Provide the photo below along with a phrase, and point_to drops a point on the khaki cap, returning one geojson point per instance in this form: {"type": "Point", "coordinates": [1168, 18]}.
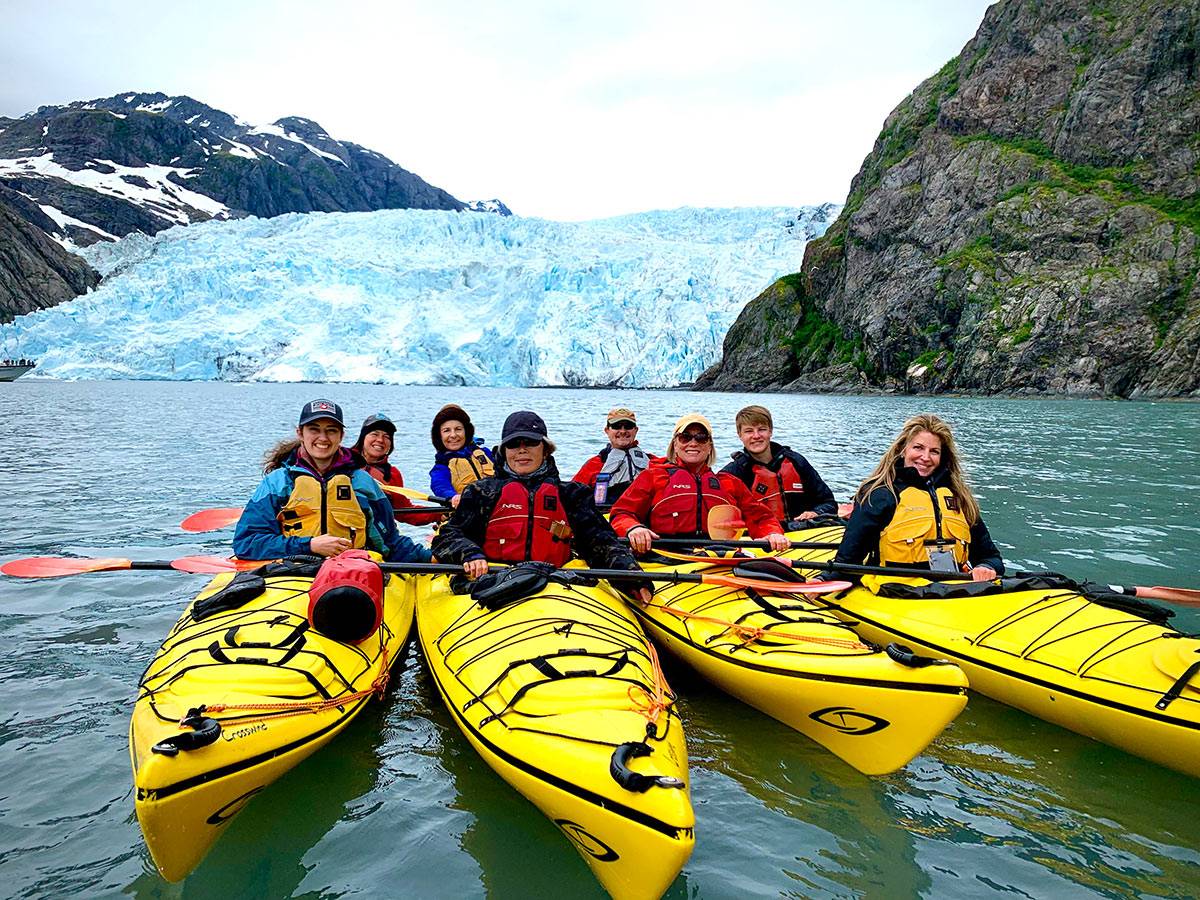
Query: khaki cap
{"type": "Point", "coordinates": [693, 419]}
{"type": "Point", "coordinates": [619, 413]}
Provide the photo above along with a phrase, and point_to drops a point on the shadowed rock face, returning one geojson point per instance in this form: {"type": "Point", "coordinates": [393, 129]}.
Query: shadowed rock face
{"type": "Point", "coordinates": [1026, 223]}
{"type": "Point", "coordinates": [35, 272]}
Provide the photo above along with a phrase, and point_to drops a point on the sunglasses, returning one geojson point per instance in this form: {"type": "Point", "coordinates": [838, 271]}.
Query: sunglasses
{"type": "Point", "coordinates": [692, 437]}
{"type": "Point", "coordinates": [522, 443]}
{"type": "Point", "coordinates": [623, 425]}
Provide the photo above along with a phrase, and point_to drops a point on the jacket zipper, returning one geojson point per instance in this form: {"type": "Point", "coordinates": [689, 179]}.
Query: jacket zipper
{"type": "Point", "coordinates": [699, 506]}
{"type": "Point", "coordinates": [529, 526]}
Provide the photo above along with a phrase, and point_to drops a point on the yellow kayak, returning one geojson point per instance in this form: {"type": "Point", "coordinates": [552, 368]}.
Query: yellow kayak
{"type": "Point", "coordinates": [1114, 670]}
{"type": "Point", "coordinates": [261, 691]}
{"type": "Point", "coordinates": [808, 669]}
{"type": "Point", "coordinates": [561, 694]}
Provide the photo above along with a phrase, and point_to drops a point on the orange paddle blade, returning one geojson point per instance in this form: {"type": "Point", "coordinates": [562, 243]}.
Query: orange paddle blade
{"type": "Point", "coordinates": [724, 522]}
{"type": "Point", "coordinates": [212, 519]}
{"type": "Point", "coordinates": [56, 566]}
{"type": "Point", "coordinates": [1182, 596]}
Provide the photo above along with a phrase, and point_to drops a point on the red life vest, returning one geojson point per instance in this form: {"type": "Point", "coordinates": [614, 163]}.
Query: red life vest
{"type": "Point", "coordinates": [772, 488]}
{"type": "Point", "coordinates": [521, 523]}
{"type": "Point", "coordinates": [682, 506]}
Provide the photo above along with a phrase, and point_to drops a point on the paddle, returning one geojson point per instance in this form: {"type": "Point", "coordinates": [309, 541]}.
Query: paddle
{"type": "Point", "coordinates": [724, 521]}
{"type": "Point", "coordinates": [735, 581]}
{"type": "Point", "coordinates": [1182, 596]}
{"type": "Point", "coordinates": [222, 517]}
{"type": "Point", "coordinates": [701, 542]}
{"type": "Point", "coordinates": [57, 566]}
{"type": "Point", "coordinates": [416, 495]}
{"type": "Point", "coordinates": [212, 519]}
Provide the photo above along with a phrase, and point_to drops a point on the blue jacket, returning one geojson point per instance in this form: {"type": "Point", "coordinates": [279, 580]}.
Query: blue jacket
{"type": "Point", "coordinates": [258, 535]}
{"type": "Point", "coordinates": [440, 483]}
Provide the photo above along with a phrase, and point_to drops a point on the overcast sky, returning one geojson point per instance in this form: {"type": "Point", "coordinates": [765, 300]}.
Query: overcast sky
{"type": "Point", "coordinates": [568, 110]}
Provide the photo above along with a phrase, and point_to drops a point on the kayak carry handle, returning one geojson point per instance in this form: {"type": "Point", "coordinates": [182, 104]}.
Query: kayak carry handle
{"type": "Point", "coordinates": [636, 781]}
{"type": "Point", "coordinates": [204, 732]}
{"type": "Point", "coordinates": [906, 656]}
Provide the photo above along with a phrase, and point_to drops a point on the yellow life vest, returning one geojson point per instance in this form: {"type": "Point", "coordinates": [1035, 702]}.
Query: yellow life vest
{"type": "Point", "coordinates": [332, 508]}
{"type": "Point", "coordinates": [914, 530]}
{"type": "Point", "coordinates": [467, 469]}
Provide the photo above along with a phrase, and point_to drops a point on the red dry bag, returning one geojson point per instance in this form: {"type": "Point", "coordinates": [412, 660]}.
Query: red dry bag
{"type": "Point", "coordinates": [345, 601]}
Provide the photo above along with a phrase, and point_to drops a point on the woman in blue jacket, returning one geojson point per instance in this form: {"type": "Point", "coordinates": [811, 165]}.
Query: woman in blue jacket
{"type": "Point", "coordinates": [461, 458]}
{"type": "Point", "coordinates": [318, 499]}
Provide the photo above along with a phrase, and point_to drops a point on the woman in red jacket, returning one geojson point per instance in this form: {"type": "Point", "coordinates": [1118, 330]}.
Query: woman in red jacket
{"type": "Point", "coordinates": [375, 442]}
{"type": "Point", "coordinates": [675, 498]}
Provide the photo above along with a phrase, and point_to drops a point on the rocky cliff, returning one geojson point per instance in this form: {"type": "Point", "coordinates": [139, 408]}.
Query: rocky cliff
{"type": "Point", "coordinates": [1026, 223]}
{"type": "Point", "coordinates": [35, 272]}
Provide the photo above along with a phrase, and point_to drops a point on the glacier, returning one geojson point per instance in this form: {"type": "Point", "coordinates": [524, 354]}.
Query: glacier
{"type": "Point", "coordinates": [421, 297]}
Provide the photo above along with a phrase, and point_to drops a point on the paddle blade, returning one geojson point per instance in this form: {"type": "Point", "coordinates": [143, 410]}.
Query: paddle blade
{"type": "Point", "coordinates": [212, 519]}
{"type": "Point", "coordinates": [724, 522]}
{"type": "Point", "coordinates": [1182, 596]}
{"type": "Point", "coordinates": [213, 565]}
{"type": "Point", "coordinates": [777, 587]}
{"type": "Point", "coordinates": [57, 566]}
{"type": "Point", "coordinates": [412, 495]}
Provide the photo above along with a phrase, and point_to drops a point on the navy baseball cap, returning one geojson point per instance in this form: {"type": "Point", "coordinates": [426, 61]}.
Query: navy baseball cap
{"type": "Point", "coordinates": [320, 409]}
{"type": "Point", "coordinates": [523, 424]}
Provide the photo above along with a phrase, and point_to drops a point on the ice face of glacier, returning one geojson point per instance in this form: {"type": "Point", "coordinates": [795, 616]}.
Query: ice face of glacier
{"type": "Point", "coordinates": [422, 297]}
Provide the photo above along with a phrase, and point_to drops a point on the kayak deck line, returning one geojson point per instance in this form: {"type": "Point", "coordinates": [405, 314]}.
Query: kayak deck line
{"type": "Point", "coordinates": [816, 676]}
{"type": "Point", "coordinates": [1032, 679]}
{"type": "Point", "coordinates": [675, 831]}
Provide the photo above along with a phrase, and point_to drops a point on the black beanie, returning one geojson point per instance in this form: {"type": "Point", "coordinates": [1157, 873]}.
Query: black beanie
{"type": "Point", "coordinates": [451, 412]}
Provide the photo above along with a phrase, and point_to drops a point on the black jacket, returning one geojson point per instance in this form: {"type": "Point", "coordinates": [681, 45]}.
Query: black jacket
{"type": "Point", "coordinates": [861, 539]}
{"type": "Point", "coordinates": [816, 497]}
{"type": "Point", "coordinates": [461, 538]}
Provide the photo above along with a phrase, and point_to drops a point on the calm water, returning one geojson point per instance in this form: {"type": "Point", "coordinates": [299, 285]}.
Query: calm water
{"type": "Point", "coordinates": [1001, 804]}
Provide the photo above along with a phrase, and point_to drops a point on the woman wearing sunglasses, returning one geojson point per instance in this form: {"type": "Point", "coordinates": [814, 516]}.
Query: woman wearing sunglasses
{"type": "Point", "coordinates": [674, 499]}
{"type": "Point", "coordinates": [525, 513]}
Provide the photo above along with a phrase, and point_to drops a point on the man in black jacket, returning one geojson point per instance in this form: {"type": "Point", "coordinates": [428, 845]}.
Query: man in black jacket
{"type": "Point", "coordinates": [779, 476]}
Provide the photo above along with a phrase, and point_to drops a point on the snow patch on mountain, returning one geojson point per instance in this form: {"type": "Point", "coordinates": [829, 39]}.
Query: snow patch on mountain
{"type": "Point", "coordinates": [422, 297]}
{"type": "Point", "coordinates": [149, 186]}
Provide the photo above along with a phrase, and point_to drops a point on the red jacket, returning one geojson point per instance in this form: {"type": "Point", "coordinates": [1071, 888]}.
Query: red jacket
{"type": "Point", "coordinates": [637, 504]}
{"type": "Point", "coordinates": [385, 473]}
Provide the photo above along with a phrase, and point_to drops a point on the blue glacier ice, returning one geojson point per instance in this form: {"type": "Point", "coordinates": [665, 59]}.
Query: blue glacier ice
{"type": "Point", "coordinates": [421, 297]}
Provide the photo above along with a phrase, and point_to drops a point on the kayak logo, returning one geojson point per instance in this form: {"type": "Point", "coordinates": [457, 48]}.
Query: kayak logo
{"type": "Point", "coordinates": [232, 808]}
{"type": "Point", "coordinates": [849, 721]}
{"type": "Point", "coordinates": [586, 841]}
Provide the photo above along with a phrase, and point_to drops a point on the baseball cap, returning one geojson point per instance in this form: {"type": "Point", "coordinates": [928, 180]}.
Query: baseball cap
{"type": "Point", "coordinates": [320, 409]}
{"type": "Point", "coordinates": [523, 424]}
{"type": "Point", "coordinates": [692, 419]}
{"type": "Point", "coordinates": [620, 414]}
